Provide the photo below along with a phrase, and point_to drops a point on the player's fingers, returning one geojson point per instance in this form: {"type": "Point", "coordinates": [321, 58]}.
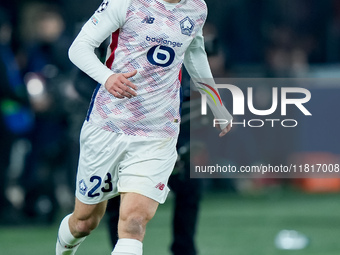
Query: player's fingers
{"type": "Point", "coordinates": [130, 74]}
{"type": "Point", "coordinates": [119, 89]}
{"type": "Point", "coordinates": [223, 133]}
{"type": "Point", "coordinates": [116, 91]}
{"type": "Point", "coordinates": [117, 95]}
{"type": "Point", "coordinates": [129, 91]}
{"type": "Point", "coordinates": [126, 94]}
{"type": "Point", "coordinates": [129, 83]}
{"type": "Point", "coordinates": [225, 130]}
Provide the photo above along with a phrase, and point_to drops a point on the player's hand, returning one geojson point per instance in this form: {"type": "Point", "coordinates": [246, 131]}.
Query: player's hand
{"type": "Point", "coordinates": [119, 85]}
{"type": "Point", "coordinates": [225, 130]}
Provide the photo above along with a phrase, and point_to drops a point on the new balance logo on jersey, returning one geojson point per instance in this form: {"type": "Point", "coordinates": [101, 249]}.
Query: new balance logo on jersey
{"type": "Point", "coordinates": [148, 20]}
{"type": "Point", "coordinates": [160, 186]}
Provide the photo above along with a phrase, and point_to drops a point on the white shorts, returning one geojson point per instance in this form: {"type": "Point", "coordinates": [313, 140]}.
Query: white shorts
{"type": "Point", "coordinates": [112, 163]}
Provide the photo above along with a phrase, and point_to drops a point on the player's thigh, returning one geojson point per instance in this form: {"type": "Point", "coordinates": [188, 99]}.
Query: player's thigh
{"type": "Point", "coordinates": [137, 205]}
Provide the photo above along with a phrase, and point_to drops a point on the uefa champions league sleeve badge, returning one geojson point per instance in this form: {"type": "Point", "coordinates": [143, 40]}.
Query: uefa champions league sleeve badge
{"type": "Point", "coordinates": [103, 6]}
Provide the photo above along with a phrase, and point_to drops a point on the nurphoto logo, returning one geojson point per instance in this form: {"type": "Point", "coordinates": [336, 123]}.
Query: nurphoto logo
{"type": "Point", "coordinates": [288, 96]}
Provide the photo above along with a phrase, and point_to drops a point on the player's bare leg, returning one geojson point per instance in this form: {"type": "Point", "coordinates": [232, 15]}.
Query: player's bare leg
{"type": "Point", "coordinates": [86, 218]}
{"type": "Point", "coordinates": [75, 227]}
{"type": "Point", "coordinates": [135, 212]}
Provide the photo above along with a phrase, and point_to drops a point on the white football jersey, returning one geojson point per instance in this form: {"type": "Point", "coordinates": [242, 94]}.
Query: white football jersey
{"type": "Point", "coordinates": [150, 36]}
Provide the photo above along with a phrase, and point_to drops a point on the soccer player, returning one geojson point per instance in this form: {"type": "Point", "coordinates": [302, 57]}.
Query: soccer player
{"type": "Point", "coordinates": [128, 141]}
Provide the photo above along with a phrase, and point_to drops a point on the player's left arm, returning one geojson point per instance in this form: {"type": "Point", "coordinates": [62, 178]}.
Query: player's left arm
{"type": "Point", "coordinates": [197, 65]}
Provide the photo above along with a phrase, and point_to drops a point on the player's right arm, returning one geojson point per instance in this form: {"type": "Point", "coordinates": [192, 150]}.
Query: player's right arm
{"type": "Point", "coordinates": [107, 19]}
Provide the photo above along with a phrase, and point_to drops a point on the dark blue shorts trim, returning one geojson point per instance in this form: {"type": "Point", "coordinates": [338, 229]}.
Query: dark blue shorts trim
{"type": "Point", "coordinates": [92, 102]}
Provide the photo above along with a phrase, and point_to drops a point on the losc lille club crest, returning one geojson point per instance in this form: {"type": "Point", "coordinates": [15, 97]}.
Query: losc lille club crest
{"type": "Point", "coordinates": [187, 26]}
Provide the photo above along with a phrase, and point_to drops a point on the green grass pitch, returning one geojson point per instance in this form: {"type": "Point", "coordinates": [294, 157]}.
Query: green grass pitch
{"type": "Point", "coordinates": [228, 224]}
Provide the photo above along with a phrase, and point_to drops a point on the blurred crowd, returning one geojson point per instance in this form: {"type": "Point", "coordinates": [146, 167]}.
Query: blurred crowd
{"type": "Point", "coordinates": [43, 97]}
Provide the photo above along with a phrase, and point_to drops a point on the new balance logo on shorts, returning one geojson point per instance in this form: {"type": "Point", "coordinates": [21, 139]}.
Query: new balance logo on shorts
{"type": "Point", "coordinates": [160, 186]}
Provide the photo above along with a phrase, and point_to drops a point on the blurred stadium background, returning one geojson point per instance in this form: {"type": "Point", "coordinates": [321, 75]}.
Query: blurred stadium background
{"type": "Point", "coordinates": [44, 100]}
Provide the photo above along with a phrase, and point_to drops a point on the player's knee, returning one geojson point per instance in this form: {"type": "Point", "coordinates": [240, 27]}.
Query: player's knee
{"type": "Point", "coordinates": [137, 214]}
{"type": "Point", "coordinates": [84, 227]}
{"type": "Point", "coordinates": [85, 218]}
{"type": "Point", "coordinates": [135, 225]}
{"type": "Point", "coordinates": [134, 216]}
